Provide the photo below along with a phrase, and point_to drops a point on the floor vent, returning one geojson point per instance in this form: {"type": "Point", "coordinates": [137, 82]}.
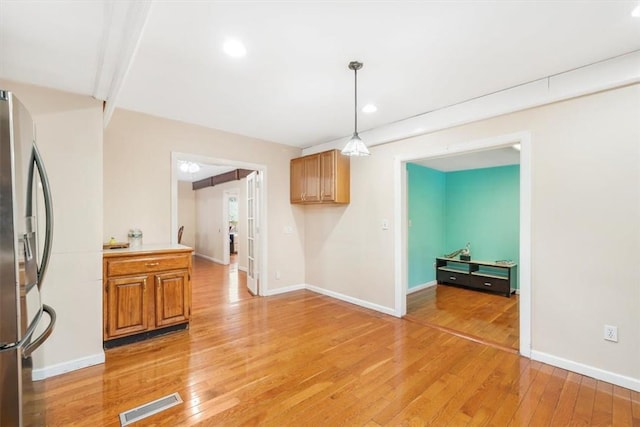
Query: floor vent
{"type": "Point", "coordinates": [148, 409]}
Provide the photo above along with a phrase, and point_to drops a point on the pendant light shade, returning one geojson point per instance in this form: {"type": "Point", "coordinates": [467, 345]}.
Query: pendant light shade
{"type": "Point", "coordinates": [355, 146]}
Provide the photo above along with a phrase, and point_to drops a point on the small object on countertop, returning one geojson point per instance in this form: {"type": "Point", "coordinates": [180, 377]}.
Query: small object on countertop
{"type": "Point", "coordinates": [115, 245]}
{"type": "Point", "coordinates": [112, 241]}
{"type": "Point", "coordinates": [135, 237]}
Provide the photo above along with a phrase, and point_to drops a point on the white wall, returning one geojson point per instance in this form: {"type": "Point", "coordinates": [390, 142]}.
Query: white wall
{"type": "Point", "coordinates": [585, 232]}
{"type": "Point", "coordinates": [187, 212]}
{"type": "Point", "coordinates": [137, 175]}
{"type": "Point", "coordinates": [210, 225]}
{"type": "Point", "coordinates": [69, 136]}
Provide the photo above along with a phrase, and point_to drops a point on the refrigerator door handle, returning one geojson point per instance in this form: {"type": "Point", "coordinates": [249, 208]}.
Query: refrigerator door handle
{"type": "Point", "coordinates": [33, 345]}
{"type": "Point", "coordinates": [46, 189]}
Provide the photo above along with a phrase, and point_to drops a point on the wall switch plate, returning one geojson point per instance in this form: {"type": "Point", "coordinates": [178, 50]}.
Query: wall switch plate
{"type": "Point", "coordinates": [611, 333]}
{"type": "Point", "coordinates": [385, 224]}
{"type": "Point", "coordinates": [277, 274]}
{"type": "Point", "coordinates": [288, 229]}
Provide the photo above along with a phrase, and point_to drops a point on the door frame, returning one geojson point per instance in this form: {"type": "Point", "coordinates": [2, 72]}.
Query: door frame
{"type": "Point", "coordinates": [401, 219]}
{"type": "Point", "coordinates": [261, 251]}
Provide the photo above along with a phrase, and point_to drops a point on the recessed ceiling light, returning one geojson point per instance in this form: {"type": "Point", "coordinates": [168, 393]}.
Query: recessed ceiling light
{"type": "Point", "coordinates": [234, 48]}
{"type": "Point", "coordinates": [369, 108]}
{"type": "Point", "coordinates": [189, 167]}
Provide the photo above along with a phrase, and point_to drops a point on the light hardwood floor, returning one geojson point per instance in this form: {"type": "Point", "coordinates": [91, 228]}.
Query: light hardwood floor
{"type": "Point", "coordinates": [486, 317]}
{"type": "Point", "coordinates": [304, 359]}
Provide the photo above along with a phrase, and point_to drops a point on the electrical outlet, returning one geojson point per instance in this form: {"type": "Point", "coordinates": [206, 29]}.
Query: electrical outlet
{"type": "Point", "coordinates": [611, 333]}
{"type": "Point", "coordinates": [277, 274]}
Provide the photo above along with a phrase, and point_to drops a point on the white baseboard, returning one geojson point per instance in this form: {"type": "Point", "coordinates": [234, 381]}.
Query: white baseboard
{"type": "Point", "coordinates": [72, 365]}
{"type": "Point", "coordinates": [590, 371]}
{"type": "Point", "coordinates": [332, 294]}
{"type": "Point", "coordinates": [422, 286]}
{"type": "Point", "coordinates": [216, 260]}
{"type": "Point", "coordinates": [352, 300]}
{"type": "Point", "coordinates": [278, 291]}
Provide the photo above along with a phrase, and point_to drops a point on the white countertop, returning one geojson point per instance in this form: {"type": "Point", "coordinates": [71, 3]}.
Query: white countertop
{"type": "Point", "coordinates": [169, 247]}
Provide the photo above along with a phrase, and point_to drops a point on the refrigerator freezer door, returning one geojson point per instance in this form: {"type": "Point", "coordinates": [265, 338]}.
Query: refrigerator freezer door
{"type": "Point", "coordinates": [9, 293]}
{"type": "Point", "coordinates": [18, 241]}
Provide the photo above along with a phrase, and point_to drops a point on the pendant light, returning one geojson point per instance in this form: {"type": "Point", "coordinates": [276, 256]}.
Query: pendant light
{"type": "Point", "coordinates": [355, 146]}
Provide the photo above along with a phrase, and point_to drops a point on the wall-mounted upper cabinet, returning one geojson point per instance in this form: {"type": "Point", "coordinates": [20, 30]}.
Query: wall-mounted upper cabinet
{"type": "Point", "coordinates": [320, 178]}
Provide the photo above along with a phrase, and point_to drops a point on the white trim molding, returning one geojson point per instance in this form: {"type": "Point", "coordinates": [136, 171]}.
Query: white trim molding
{"type": "Point", "coordinates": [400, 217]}
{"type": "Point", "coordinates": [352, 300]}
{"type": "Point", "coordinates": [285, 289]}
{"type": "Point", "coordinates": [64, 367]}
{"type": "Point", "coordinates": [590, 371]}
{"type": "Point", "coordinates": [216, 260]}
{"type": "Point", "coordinates": [603, 75]}
{"type": "Point", "coordinates": [332, 294]}
{"type": "Point", "coordinates": [422, 286]}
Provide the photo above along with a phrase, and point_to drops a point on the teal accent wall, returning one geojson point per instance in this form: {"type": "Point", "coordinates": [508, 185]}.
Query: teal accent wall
{"type": "Point", "coordinates": [426, 207]}
{"type": "Point", "coordinates": [480, 206]}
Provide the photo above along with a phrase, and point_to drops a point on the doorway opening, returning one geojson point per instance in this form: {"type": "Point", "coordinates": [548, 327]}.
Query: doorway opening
{"type": "Point", "coordinates": [463, 216]}
{"type": "Point", "coordinates": [210, 236]}
{"type": "Point", "coordinates": [231, 236]}
{"type": "Point", "coordinates": [402, 231]}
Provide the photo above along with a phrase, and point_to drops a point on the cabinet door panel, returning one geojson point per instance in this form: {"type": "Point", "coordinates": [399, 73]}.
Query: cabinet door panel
{"type": "Point", "coordinates": [328, 175]}
{"type": "Point", "coordinates": [127, 311]}
{"type": "Point", "coordinates": [297, 180]}
{"type": "Point", "coordinates": [312, 175]}
{"type": "Point", "coordinates": [172, 298]}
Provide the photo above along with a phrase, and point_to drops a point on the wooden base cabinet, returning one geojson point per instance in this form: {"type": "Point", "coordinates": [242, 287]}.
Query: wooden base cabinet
{"type": "Point", "coordinates": [145, 291]}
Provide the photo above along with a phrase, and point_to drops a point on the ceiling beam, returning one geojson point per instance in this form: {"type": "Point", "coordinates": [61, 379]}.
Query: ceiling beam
{"type": "Point", "coordinates": [233, 175]}
{"type": "Point", "coordinates": [123, 27]}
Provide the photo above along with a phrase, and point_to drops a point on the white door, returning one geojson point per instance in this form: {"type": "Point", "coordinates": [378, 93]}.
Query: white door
{"type": "Point", "coordinates": [253, 232]}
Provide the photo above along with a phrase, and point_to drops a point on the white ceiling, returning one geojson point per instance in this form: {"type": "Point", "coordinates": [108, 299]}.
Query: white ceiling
{"type": "Point", "coordinates": [294, 87]}
{"type": "Point", "coordinates": [475, 160]}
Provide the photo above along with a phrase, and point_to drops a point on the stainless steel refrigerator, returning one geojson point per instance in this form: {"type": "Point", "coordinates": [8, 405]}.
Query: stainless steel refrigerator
{"type": "Point", "coordinates": [26, 222]}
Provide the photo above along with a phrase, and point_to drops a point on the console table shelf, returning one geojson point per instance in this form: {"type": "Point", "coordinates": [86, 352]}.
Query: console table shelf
{"type": "Point", "coordinates": [485, 275]}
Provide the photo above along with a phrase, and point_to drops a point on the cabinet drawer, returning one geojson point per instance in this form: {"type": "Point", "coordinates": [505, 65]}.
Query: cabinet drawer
{"type": "Point", "coordinates": [452, 277]}
{"type": "Point", "coordinates": [135, 265]}
{"type": "Point", "coordinates": [490, 283]}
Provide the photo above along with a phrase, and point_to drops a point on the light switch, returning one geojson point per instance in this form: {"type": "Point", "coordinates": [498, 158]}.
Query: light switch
{"type": "Point", "coordinates": [385, 224]}
{"type": "Point", "coordinates": [288, 229]}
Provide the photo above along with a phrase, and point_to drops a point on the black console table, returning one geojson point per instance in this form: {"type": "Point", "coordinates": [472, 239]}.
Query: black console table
{"type": "Point", "coordinates": [493, 276]}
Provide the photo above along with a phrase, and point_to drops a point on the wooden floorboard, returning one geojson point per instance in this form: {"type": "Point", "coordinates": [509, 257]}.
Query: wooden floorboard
{"type": "Point", "coordinates": [304, 359]}
{"type": "Point", "coordinates": [485, 317]}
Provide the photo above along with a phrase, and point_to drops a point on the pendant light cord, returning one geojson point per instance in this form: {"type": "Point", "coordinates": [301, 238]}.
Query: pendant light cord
{"type": "Point", "coordinates": [355, 128]}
